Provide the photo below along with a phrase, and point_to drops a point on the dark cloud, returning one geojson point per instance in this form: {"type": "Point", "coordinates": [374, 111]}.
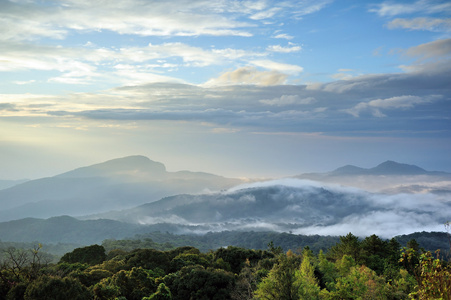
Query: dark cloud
{"type": "Point", "coordinates": [8, 107]}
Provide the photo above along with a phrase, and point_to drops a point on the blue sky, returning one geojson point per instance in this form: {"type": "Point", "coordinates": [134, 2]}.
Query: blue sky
{"type": "Point", "coordinates": [237, 88]}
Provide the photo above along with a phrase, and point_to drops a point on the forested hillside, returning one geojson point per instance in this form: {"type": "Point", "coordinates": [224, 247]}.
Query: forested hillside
{"type": "Point", "coordinates": [353, 268]}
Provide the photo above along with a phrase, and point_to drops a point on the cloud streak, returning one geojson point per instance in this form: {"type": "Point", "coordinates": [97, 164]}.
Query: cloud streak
{"type": "Point", "coordinates": [431, 24]}
{"type": "Point", "coordinates": [402, 102]}
{"type": "Point", "coordinates": [149, 18]}
{"type": "Point", "coordinates": [388, 8]}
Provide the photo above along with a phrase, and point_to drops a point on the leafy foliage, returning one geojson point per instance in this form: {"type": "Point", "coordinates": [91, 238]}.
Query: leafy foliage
{"type": "Point", "coordinates": [353, 268]}
{"type": "Point", "coordinates": [91, 255]}
{"type": "Point", "coordinates": [49, 287]}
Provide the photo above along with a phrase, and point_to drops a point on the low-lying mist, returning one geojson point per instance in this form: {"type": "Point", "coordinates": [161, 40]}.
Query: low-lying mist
{"type": "Point", "coordinates": [300, 207]}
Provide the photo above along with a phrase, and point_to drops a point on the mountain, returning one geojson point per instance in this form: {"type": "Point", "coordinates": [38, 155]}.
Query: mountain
{"type": "Point", "coordinates": [285, 205]}
{"type": "Point", "coordinates": [386, 168]}
{"type": "Point", "coordinates": [114, 184]}
{"type": "Point", "coordinates": [264, 206]}
{"type": "Point", "coordinates": [4, 184]}
{"type": "Point", "coordinates": [388, 177]}
{"type": "Point", "coordinates": [130, 165]}
{"type": "Point", "coordinates": [291, 205]}
{"type": "Point", "coordinates": [349, 170]}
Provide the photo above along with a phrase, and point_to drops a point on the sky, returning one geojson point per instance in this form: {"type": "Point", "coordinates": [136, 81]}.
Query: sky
{"type": "Point", "coordinates": [236, 88]}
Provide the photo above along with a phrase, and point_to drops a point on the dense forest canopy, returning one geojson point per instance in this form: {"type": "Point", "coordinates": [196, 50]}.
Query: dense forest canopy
{"type": "Point", "coordinates": [352, 268]}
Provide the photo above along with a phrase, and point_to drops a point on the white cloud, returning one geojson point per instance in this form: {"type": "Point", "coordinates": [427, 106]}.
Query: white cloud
{"type": "Point", "coordinates": [424, 6]}
{"type": "Point", "coordinates": [431, 24]}
{"type": "Point", "coordinates": [136, 75]}
{"type": "Point", "coordinates": [279, 67]}
{"type": "Point", "coordinates": [265, 14]}
{"type": "Point", "coordinates": [248, 75]}
{"type": "Point", "coordinates": [436, 49]}
{"type": "Point", "coordinates": [283, 36]}
{"type": "Point", "coordinates": [281, 49]}
{"type": "Point", "coordinates": [400, 102]}
{"type": "Point", "coordinates": [288, 100]}
{"type": "Point", "coordinates": [127, 17]}
{"type": "Point", "coordinates": [24, 82]}
{"type": "Point", "coordinates": [384, 215]}
{"type": "Point", "coordinates": [342, 76]}
{"type": "Point", "coordinates": [88, 65]}
{"type": "Point", "coordinates": [309, 6]}
{"type": "Point", "coordinates": [32, 19]}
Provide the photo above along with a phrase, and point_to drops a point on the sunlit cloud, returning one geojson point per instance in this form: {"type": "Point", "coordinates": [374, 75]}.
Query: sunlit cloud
{"type": "Point", "coordinates": [249, 75]}
{"type": "Point", "coordinates": [279, 67]}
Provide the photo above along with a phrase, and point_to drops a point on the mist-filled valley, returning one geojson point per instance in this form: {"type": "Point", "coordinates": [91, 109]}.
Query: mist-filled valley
{"type": "Point", "coordinates": [134, 195]}
{"type": "Point", "coordinates": [128, 228]}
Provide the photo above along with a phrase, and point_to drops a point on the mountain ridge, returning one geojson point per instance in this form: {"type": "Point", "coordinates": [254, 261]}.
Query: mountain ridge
{"type": "Point", "coordinates": [388, 167]}
{"type": "Point", "coordinates": [122, 165]}
{"type": "Point", "coordinates": [387, 177]}
{"type": "Point", "coordinates": [130, 181]}
{"type": "Point", "coordinates": [114, 184]}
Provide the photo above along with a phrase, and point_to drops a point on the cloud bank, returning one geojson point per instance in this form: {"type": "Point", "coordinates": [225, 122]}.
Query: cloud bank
{"type": "Point", "coordinates": [303, 207]}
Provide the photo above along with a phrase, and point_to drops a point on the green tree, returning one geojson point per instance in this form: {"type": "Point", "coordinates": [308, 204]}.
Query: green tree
{"type": "Point", "coordinates": [434, 281]}
{"type": "Point", "coordinates": [22, 264]}
{"type": "Point", "coordinates": [236, 257]}
{"type": "Point", "coordinates": [348, 245]}
{"type": "Point", "coordinates": [374, 253]}
{"type": "Point", "coordinates": [17, 291]}
{"type": "Point", "coordinates": [306, 280]}
{"type": "Point", "coordinates": [91, 276]}
{"type": "Point", "coordinates": [281, 282]}
{"type": "Point", "coordinates": [393, 254]}
{"type": "Point", "coordinates": [328, 272]}
{"type": "Point", "coordinates": [149, 259]}
{"type": "Point", "coordinates": [92, 255]}
{"type": "Point", "coordinates": [55, 288]}
{"type": "Point", "coordinates": [188, 259]}
{"type": "Point", "coordinates": [246, 283]}
{"type": "Point", "coordinates": [133, 284]}
{"type": "Point", "coordinates": [162, 293]}
{"type": "Point", "coordinates": [196, 282]}
{"type": "Point", "coordinates": [360, 283]}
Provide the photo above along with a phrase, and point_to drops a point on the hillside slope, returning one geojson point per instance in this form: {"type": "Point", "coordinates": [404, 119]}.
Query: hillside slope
{"type": "Point", "coordinates": [115, 184]}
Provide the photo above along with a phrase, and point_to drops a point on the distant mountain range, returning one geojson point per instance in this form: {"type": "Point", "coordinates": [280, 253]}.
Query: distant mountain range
{"type": "Point", "coordinates": [134, 195]}
{"type": "Point", "coordinates": [288, 205]}
{"type": "Point", "coordinates": [388, 177]}
{"type": "Point", "coordinates": [387, 168]}
{"type": "Point", "coordinates": [114, 184]}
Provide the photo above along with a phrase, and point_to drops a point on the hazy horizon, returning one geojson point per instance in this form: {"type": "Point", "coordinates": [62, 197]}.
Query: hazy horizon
{"type": "Point", "coordinates": [258, 177]}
